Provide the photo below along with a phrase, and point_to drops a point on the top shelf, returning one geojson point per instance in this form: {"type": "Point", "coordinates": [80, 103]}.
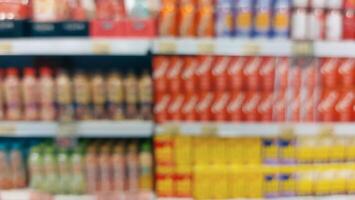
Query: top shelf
{"type": "Point", "coordinates": [173, 46]}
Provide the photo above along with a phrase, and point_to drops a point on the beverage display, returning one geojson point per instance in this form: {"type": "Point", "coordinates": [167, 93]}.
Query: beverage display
{"type": "Point", "coordinates": [50, 95]}
{"type": "Point", "coordinates": [253, 89]}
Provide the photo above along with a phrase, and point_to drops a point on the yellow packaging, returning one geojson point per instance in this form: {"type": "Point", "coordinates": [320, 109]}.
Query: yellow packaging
{"type": "Point", "coordinates": [305, 180]}
{"type": "Point", "coordinates": [183, 181]}
{"type": "Point", "coordinates": [235, 150]}
{"type": "Point", "coordinates": [287, 180]}
{"type": "Point", "coordinates": [322, 148]}
{"type": "Point", "coordinates": [270, 150]}
{"type": "Point", "coordinates": [183, 150]}
{"type": "Point", "coordinates": [287, 150]}
{"type": "Point", "coordinates": [323, 179]}
{"type": "Point", "coordinates": [164, 148]}
{"type": "Point", "coordinates": [337, 149]}
{"type": "Point", "coordinates": [164, 185]}
{"type": "Point", "coordinates": [338, 185]}
{"type": "Point", "coordinates": [254, 181]}
{"type": "Point", "coordinates": [271, 181]}
{"type": "Point", "coordinates": [202, 148]}
{"type": "Point", "coordinates": [252, 150]}
{"type": "Point", "coordinates": [305, 149]}
{"type": "Point", "coordinates": [201, 185]}
{"type": "Point", "coordinates": [351, 179]}
{"type": "Point", "coordinates": [218, 151]}
{"type": "Point", "coordinates": [237, 179]}
{"type": "Point", "coordinates": [350, 149]}
{"type": "Point", "coordinates": [219, 181]}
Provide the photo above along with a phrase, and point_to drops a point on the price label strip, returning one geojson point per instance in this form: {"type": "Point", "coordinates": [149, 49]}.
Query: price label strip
{"type": "Point", "coordinates": [5, 47]}
{"type": "Point", "coordinates": [209, 129]}
{"type": "Point", "coordinates": [206, 48]}
{"type": "Point", "coordinates": [303, 49]}
{"type": "Point", "coordinates": [251, 48]}
{"type": "Point", "coordinates": [7, 129]}
{"type": "Point", "coordinates": [101, 48]}
{"type": "Point", "coordinates": [167, 47]}
{"type": "Point", "coordinates": [66, 135]}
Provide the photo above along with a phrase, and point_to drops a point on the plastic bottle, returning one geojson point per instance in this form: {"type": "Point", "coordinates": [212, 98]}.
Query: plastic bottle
{"type": "Point", "coordinates": [35, 163]}
{"type": "Point", "coordinates": [262, 19]}
{"type": "Point", "coordinates": [78, 183]}
{"type": "Point", "coordinates": [64, 96]}
{"type": "Point", "coordinates": [243, 18]}
{"type": "Point", "coordinates": [146, 167]}
{"type": "Point", "coordinates": [115, 96]}
{"type": "Point", "coordinates": [30, 96]}
{"type": "Point", "coordinates": [139, 9]}
{"type": "Point", "coordinates": [105, 168]}
{"type": "Point", "coordinates": [82, 96]}
{"type": "Point", "coordinates": [47, 95]}
{"type": "Point", "coordinates": [146, 96]}
{"type": "Point", "coordinates": [98, 95]}
{"type": "Point", "coordinates": [119, 168]}
{"type": "Point", "coordinates": [132, 167]}
{"type": "Point", "coordinates": [131, 95]}
{"type": "Point", "coordinates": [92, 169]}
{"type": "Point", "coordinates": [2, 110]}
{"type": "Point", "coordinates": [5, 179]}
{"type": "Point", "coordinates": [12, 94]}
{"type": "Point", "coordinates": [281, 19]}
{"type": "Point", "coordinates": [64, 172]}
{"type": "Point", "coordinates": [17, 167]}
{"type": "Point", "coordinates": [50, 165]}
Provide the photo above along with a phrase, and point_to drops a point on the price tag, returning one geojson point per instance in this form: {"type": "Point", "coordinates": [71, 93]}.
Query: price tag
{"type": "Point", "coordinates": [209, 129]}
{"type": "Point", "coordinates": [5, 47]}
{"type": "Point", "coordinates": [7, 129]}
{"type": "Point", "coordinates": [66, 129]}
{"type": "Point", "coordinates": [251, 48]}
{"type": "Point", "coordinates": [101, 48]}
{"type": "Point", "coordinates": [167, 47]}
{"type": "Point", "coordinates": [206, 48]}
{"type": "Point", "coordinates": [302, 49]}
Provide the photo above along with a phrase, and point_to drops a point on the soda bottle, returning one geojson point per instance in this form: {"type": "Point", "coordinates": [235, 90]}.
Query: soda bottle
{"type": "Point", "coordinates": [132, 167]}
{"type": "Point", "coordinates": [92, 169]}
{"type": "Point", "coordinates": [98, 95]}
{"type": "Point", "coordinates": [115, 96]}
{"type": "Point", "coordinates": [64, 172]}
{"type": "Point", "coordinates": [82, 96]}
{"type": "Point", "coordinates": [146, 167]}
{"type": "Point", "coordinates": [131, 98]}
{"type": "Point", "coordinates": [5, 179]}
{"type": "Point", "coordinates": [36, 172]}
{"type": "Point", "coordinates": [243, 18]}
{"type": "Point", "coordinates": [224, 19]}
{"type": "Point", "coordinates": [50, 170]}
{"type": "Point", "coordinates": [105, 163]}
{"type": "Point", "coordinates": [2, 108]}
{"type": "Point", "coordinates": [64, 96]}
{"type": "Point", "coordinates": [30, 96]}
{"type": "Point", "coordinates": [281, 19]}
{"type": "Point", "coordinates": [119, 168]}
{"type": "Point", "coordinates": [18, 170]}
{"type": "Point", "coordinates": [145, 87]}
{"type": "Point", "coordinates": [12, 94]}
{"type": "Point", "coordinates": [47, 94]}
{"type": "Point", "coordinates": [262, 18]}
{"type": "Point", "coordinates": [78, 184]}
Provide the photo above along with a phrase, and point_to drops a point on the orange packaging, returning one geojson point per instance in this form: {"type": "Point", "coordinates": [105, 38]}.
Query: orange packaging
{"type": "Point", "coordinates": [219, 73]}
{"type": "Point", "coordinates": [267, 73]}
{"type": "Point", "coordinates": [220, 106]}
{"type": "Point", "coordinates": [189, 108]}
{"type": "Point", "coordinates": [160, 69]}
{"type": "Point", "coordinates": [175, 108]}
{"type": "Point", "coordinates": [329, 72]}
{"type": "Point", "coordinates": [327, 104]}
{"type": "Point", "coordinates": [347, 72]}
{"type": "Point", "coordinates": [235, 73]}
{"type": "Point", "coordinates": [294, 105]}
{"type": "Point", "coordinates": [14, 9]}
{"type": "Point", "coordinates": [265, 106]}
{"type": "Point", "coordinates": [164, 185]}
{"type": "Point", "coordinates": [234, 108]}
{"type": "Point", "coordinates": [160, 109]}
{"type": "Point", "coordinates": [283, 65]}
{"type": "Point", "coordinates": [187, 18]}
{"type": "Point", "coordinates": [279, 114]}
{"type": "Point", "coordinates": [204, 106]}
{"type": "Point", "coordinates": [295, 77]}
{"type": "Point", "coordinates": [205, 20]}
{"type": "Point", "coordinates": [204, 73]}
{"type": "Point", "coordinates": [251, 73]}
{"type": "Point", "coordinates": [189, 75]}
{"type": "Point", "coordinates": [174, 75]}
{"type": "Point", "coordinates": [309, 105]}
{"type": "Point", "coordinates": [168, 19]}
{"type": "Point", "coordinates": [250, 107]}
{"type": "Point", "coordinates": [344, 106]}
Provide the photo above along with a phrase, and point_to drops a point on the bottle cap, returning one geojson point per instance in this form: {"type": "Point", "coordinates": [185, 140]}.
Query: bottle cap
{"type": "Point", "coordinates": [45, 71]}
{"type": "Point", "coordinates": [12, 71]}
{"type": "Point", "coordinates": [30, 71]}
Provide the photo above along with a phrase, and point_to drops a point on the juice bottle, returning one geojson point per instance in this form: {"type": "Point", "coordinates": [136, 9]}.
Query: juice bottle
{"type": "Point", "coordinates": [2, 110]}
{"type": "Point", "coordinates": [17, 167]}
{"type": "Point", "coordinates": [146, 167]}
{"type": "Point", "coordinates": [5, 180]}
{"type": "Point", "coordinates": [64, 172]}
{"type": "Point", "coordinates": [98, 95]}
{"type": "Point", "coordinates": [78, 184]}
{"type": "Point", "coordinates": [47, 95]}
{"type": "Point", "coordinates": [92, 169]}
{"type": "Point", "coordinates": [132, 167]}
{"type": "Point", "coordinates": [64, 96]}
{"type": "Point", "coordinates": [119, 168]}
{"type": "Point", "coordinates": [30, 96]}
{"type": "Point", "coordinates": [50, 170]}
{"type": "Point", "coordinates": [105, 163]}
{"type": "Point", "coordinates": [35, 163]}
{"type": "Point", "coordinates": [12, 94]}
{"type": "Point", "coordinates": [115, 95]}
{"type": "Point", "coordinates": [146, 96]}
{"type": "Point", "coordinates": [131, 95]}
{"type": "Point", "coordinates": [82, 96]}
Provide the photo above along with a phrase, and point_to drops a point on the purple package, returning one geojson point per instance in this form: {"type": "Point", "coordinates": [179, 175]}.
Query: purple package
{"type": "Point", "coordinates": [224, 18]}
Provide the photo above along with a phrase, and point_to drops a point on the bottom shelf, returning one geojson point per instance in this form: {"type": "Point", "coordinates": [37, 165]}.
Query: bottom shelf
{"type": "Point", "coordinates": [335, 197]}
{"type": "Point", "coordinates": [29, 195]}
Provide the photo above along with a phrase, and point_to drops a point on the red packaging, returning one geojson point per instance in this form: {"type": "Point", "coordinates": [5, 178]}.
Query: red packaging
{"type": "Point", "coordinates": [189, 75]}
{"type": "Point", "coordinates": [138, 27]}
{"type": "Point", "coordinates": [204, 106]}
{"type": "Point", "coordinates": [295, 77]}
{"type": "Point", "coordinates": [235, 73]}
{"type": "Point", "coordinates": [219, 106]}
{"type": "Point", "coordinates": [316, 24]}
{"type": "Point", "coordinates": [160, 69]}
{"type": "Point", "coordinates": [107, 28]}
{"type": "Point", "coordinates": [219, 73]}
{"type": "Point", "coordinates": [267, 73]}
{"type": "Point", "coordinates": [251, 73]}
{"type": "Point", "coordinates": [344, 106]}
{"type": "Point", "coordinates": [283, 65]}
{"type": "Point", "coordinates": [349, 4]}
{"type": "Point", "coordinates": [294, 105]}
{"type": "Point", "coordinates": [161, 108]}
{"type": "Point", "coordinates": [189, 110]}
{"type": "Point", "coordinates": [347, 72]}
{"type": "Point", "coordinates": [309, 105]}
{"type": "Point", "coordinates": [279, 111]}
{"type": "Point", "coordinates": [265, 106]}
{"type": "Point", "coordinates": [175, 108]}
{"type": "Point", "coordinates": [349, 24]}
{"type": "Point", "coordinates": [250, 107]}
{"type": "Point", "coordinates": [174, 75]}
{"type": "Point", "coordinates": [204, 73]}
{"type": "Point", "coordinates": [327, 104]}
{"type": "Point", "coordinates": [309, 76]}
{"type": "Point", "coordinates": [235, 105]}
{"type": "Point", "coordinates": [329, 72]}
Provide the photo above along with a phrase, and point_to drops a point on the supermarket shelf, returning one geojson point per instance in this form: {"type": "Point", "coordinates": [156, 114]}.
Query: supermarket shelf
{"type": "Point", "coordinates": [222, 47]}
{"type": "Point", "coordinates": [338, 197]}
{"type": "Point", "coordinates": [335, 49]}
{"type": "Point", "coordinates": [83, 129]}
{"type": "Point", "coordinates": [74, 46]}
{"type": "Point", "coordinates": [258, 129]}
